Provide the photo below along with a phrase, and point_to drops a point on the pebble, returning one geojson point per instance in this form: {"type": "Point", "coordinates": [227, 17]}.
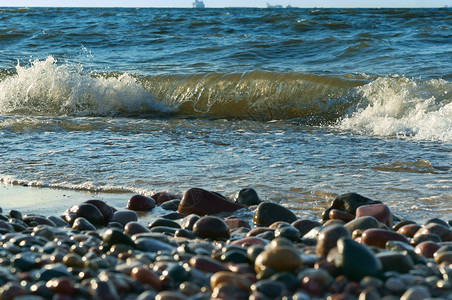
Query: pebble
{"type": "Point", "coordinates": [268, 213]}
{"type": "Point", "coordinates": [221, 257]}
{"type": "Point", "coordinates": [328, 238]}
{"type": "Point", "coordinates": [211, 227]}
{"type": "Point", "coordinates": [202, 202]}
{"type": "Point", "coordinates": [124, 216]}
{"type": "Point", "coordinates": [355, 260]}
{"type": "Point", "coordinates": [381, 212]}
{"type": "Point", "coordinates": [140, 203]}
{"type": "Point", "coordinates": [248, 197]}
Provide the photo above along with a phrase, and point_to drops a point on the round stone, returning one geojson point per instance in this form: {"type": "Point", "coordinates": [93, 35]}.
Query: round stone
{"type": "Point", "coordinates": [83, 224]}
{"type": "Point", "coordinates": [268, 213]}
{"type": "Point", "coordinates": [134, 227]}
{"type": "Point", "coordinates": [124, 216]}
{"type": "Point", "coordinates": [229, 278]}
{"type": "Point", "coordinates": [211, 227]}
{"type": "Point", "coordinates": [248, 197]}
{"type": "Point", "coordinates": [328, 238]}
{"type": "Point", "coordinates": [113, 236]}
{"type": "Point", "coordinates": [106, 210]}
{"type": "Point", "coordinates": [280, 259]}
{"type": "Point", "coordinates": [381, 212]}
{"type": "Point", "coordinates": [140, 203]}
{"type": "Point", "coordinates": [202, 202]}
{"type": "Point", "coordinates": [355, 260]}
{"type": "Point", "coordinates": [304, 226]}
{"type": "Point", "coordinates": [379, 237]}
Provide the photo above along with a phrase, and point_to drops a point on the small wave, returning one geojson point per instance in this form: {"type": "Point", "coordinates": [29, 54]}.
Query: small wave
{"type": "Point", "coordinates": [396, 106]}
{"type": "Point", "coordinates": [46, 88]}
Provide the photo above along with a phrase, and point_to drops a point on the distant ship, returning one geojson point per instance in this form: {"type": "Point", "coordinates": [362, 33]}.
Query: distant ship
{"type": "Point", "coordinates": [198, 4]}
{"type": "Point", "coordinates": [273, 6]}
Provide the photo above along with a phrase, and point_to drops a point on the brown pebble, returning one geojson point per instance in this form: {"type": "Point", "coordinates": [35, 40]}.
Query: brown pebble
{"type": "Point", "coordinates": [379, 237]}
{"type": "Point", "coordinates": [426, 248]}
{"type": "Point", "coordinates": [211, 227]}
{"type": "Point", "coordinates": [279, 258]}
{"type": "Point", "coordinates": [328, 238]}
{"type": "Point", "coordinates": [140, 203]}
{"type": "Point", "coordinates": [381, 212]}
{"type": "Point", "coordinates": [230, 278]}
{"type": "Point", "coordinates": [336, 214]}
{"type": "Point", "coordinates": [409, 230]}
{"type": "Point", "coordinates": [147, 276]}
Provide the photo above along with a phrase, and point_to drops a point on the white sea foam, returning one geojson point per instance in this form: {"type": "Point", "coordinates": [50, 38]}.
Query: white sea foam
{"type": "Point", "coordinates": [48, 88]}
{"type": "Point", "coordinates": [399, 106]}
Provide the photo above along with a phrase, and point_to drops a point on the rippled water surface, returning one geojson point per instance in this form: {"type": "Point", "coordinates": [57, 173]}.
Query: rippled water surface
{"type": "Point", "coordinates": [300, 104]}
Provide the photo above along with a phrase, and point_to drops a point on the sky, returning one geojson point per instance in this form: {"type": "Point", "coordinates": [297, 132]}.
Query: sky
{"type": "Point", "coordinates": [226, 3]}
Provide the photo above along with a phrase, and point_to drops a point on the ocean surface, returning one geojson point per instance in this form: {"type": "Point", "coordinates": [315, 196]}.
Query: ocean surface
{"type": "Point", "coordinates": [300, 104]}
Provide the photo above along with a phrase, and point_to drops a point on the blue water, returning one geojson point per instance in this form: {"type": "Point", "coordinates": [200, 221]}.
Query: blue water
{"type": "Point", "coordinates": [301, 104]}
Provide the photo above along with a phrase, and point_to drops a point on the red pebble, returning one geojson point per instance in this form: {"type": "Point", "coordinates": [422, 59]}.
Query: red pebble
{"type": "Point", "coordinates": [162, 197]}
{"type": "Point", "coordinates": [206, 264]}
{"type": "Point", "coordinates": [409, 230]}
{"type": "Point", "coordinates": [202, 202]}
{"type": "Point", "coordinates": [379, 237]}
{"type": "Point", "coordinates": [381, 212]}
{"type": "Point", "coordinates": [248, 241]}
{"type": "Point", "coordinates": [147, 276]}
{"type": "Point", "coordinates": [140, 203]}
{"type": "Point", "coordinates": [236, 223]}
{"type": "Point", "coordinates": [336, 214]}
{"type": "Point", "coordinates": [61, 285]}
{"type": "Point", "coordinates": [426, 248]}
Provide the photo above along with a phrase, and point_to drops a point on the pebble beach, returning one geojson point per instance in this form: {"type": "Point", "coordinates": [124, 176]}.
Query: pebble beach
{"type": "Point", "coordinates": [206, 246]}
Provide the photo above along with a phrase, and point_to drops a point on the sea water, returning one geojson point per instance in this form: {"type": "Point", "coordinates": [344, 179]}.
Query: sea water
{"type": "Point", "coordinates": [300, 104]}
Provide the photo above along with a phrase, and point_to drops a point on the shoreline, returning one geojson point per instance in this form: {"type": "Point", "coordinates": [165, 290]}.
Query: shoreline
{"type": "Point", "coordinates": [199, 247]}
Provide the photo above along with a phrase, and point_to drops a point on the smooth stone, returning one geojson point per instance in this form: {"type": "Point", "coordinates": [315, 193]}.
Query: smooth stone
{"type": "Point", "coordinates": [124, 216]}
{"type": "Point", "coordinates": [134, 227]}
{"type": "Point", "coordinates": [34, 220]}
{"type": "Point", "coordinates": [348, 203]}
{"type": "Point", "coordinates": [185, 233]}
{"type": "Point", "coordinates": [248, 197]}
{"type": "Point", "coordinates": [267, 213]}
{"type": "Point", "coordinates": [315, 281]}
{"type": "Point", "coordinates": [279, 258]}
{"type": "Point", "coordinates": [381, 212]}
{"type": "Point", "coordinates": [202, 202]}
{"type": "Point", "coordinates": [15, 214]}
{"type": "Point", "coordinates": [394, 261]}
{"type": "Point", "coordinates": [427, 248]}
{"type": "Point", "coordinates": [442, 257]}
{"type": "Point", "coordinates": [61, 285]}
{"type": "Point", "coordinates": [434, 228]}
{"type": "Point", "coordinates": [249, 241]}
{"type": "Point", "coordinates": [362, 223]}
{"type": "Point", "coordinates": [7, 226]}
{"type": "Point", "coordinates": [229, 291]}
{"type": "Point", "coordinates": [379, 237]}
{"type": "Point", "coordinates": [147, 276]}
{"type": "Point", "coordinates": [288, 232]}
{"type": "Point", "coordinates": [270, 288]}
{"type": "Point", "coordinates": [355, 260]}
{"type": "Point", "coordinates": [336, 214]}
{"type": "Point", "coordinates": [189, 221]}
{"type": "Point", "coordinates": [402, 223]}
{"type": "Point", "coordinates": [172, 216]}
{"type": "Point", "coordinates": [395, 285]}
{"type": "Point", "coordinates": [304, 226]}
{"type": "Point", "coordinates": [140, 203]}
{"type": "Point", "coordinates": [175, 274]}
{"type": "Point", "coordinates": [258, 230]}
{"type": "Point", "coordinates": [106, 210]}
{"type": "Point", "coordinates": [113, 236]}
{"type": "Point", "coordinates": [401, 247]}
{"type": "Point", "coordinates": [236, 223]}
{"type": "Point", "coordinates": [162, 197]}
{"type": "Point", "coordinates": [171, 204]}
{"type": "Point", "coordinates": [170, 231]}
{"type": "Point", "coordinates": [206, 264]}
{"type": "Point", "coordinates": [328, 238]}
{"type": "Point", "coordinates": [229, 278]}
{"type": "Point", "coordinates": [11, 291]}
{"type": "Point", "coordinates": [416, 293]}
{"type": "Point", "coordinates": [152, 245]}
{"type": "Point", "coordinates": [170, 295]}
{"type": "Point", "coordinates": [90, 212]}
{"type": "Point", "coordinates": [59, 222]}
{"type": "Point", "coordinates": [409, 230]}
{"type": "Point", "coordinates": [211, 227]}
{"type": "Point", "coordinates": [234, 256]}
{"type": "Point", "coordinates": [289, 280]}
{"type": "Point", "coordinates": [83, 224]}
{"type": "Point", "coordinates": [164, 222]}
{"type": "Point", "coordinates": [104, 290]}
{"type": "Point", "coordinates": [427, 237]}
{"type": "Point", "coordinates": [147, 295]}
{"type": "Point", "coordinates": [438, 221]}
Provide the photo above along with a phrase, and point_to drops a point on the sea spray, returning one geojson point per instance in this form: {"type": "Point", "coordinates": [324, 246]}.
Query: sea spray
{"type": "Point", "coordinates": [48, 88]}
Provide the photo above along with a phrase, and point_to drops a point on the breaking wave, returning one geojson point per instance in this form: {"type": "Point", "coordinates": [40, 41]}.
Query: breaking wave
{"type": "Point", "coordinates": [363, 104]}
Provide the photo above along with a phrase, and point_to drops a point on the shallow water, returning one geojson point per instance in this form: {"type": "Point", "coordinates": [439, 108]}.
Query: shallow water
{"type": "Point", "coordinates": [300, 104]}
